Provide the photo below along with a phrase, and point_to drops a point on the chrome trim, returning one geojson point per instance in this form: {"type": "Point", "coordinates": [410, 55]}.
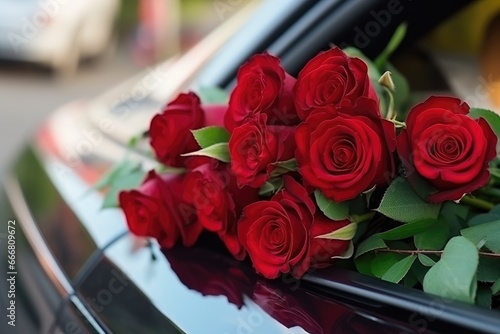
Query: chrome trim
{"type": "Point", "coordinates": [85, 313]}
{"type": "Point", "coordinates": [35, 239]}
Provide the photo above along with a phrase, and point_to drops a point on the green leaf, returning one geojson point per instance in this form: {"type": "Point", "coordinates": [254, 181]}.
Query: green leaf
{"type": "Point", "coordinates": [289, 165]}
{"type": "Point", "coordinates": [407, 230]}
{"type": "Point", "coordinates": [434, 238]}
{"type": "Point", "coordinates": [213, 95]}
{"type": "Point", "coordinates": [396, 273]}
{"type": "Point", "coordinates": [487, 231]}
{"type": "Point", "coordinates": [334, 211]}
{"type": "Point", "coordinates": [401, 203]}
{"type": "Point", "coordinates": [456, 216]}
{"type": "Point", "coordinates": [419, 270]}
{"type": "Point", "coordinates": [483, 218]}
{"type": "Point", "coordinates": [217, 151]}
{"type": "Point", "coordinates": [483, 297]}
{"type": "Point", "coordinates": [363, 263]}
{"type": "Point", "coordinates": [283, 167]}
{"type": "Point", "coordinates": [270, 187]}
{"type": "Point", "coordinates": [495, 289]}
{"type": "Point", "coordinates": [125, 182]}
{"type": "Point", "coordinates": [393, 44]}
{"type": "Point", "coordinates": [369, 244]}
{"type": "Point", "coordinates": [489, 269]}
{"type": "Point", "coordinates": [491, 117]}
{"type": "Point", "coordinates": [382, 262]}
{"type": "Point", "coordinates": [410, 280]}
{"type": "Point", "coordinates": [119, 170]}
{"type": "Point", "coordinates": [425, 260]}
{"type": "Point", "coordinates": [454, 275]}
{"type": "Point", "coordinates": [211, 135]}
{"type": "Point", "coordinates": [345, 233]}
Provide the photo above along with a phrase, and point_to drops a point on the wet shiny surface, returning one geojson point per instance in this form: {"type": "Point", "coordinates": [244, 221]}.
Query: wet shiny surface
{"type": "Point", "coordinates": [202, 291]}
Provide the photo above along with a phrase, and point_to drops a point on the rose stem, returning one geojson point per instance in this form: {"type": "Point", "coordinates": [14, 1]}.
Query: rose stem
{"type": "Point", "coordinates": [413, 252]}
{"type": "Point", "coordinates": [490, 192]}
{"type": "Point", "coordinates": [363, 217]}
{"type": "Point", "coordinates": [477, 202]}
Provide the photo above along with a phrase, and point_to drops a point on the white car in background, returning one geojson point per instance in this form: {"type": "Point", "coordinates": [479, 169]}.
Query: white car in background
{"type": "Point", "coordinates": [56, 33]}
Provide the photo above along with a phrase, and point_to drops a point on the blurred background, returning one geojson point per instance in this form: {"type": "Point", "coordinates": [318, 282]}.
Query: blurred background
{"type": "Point", "coordinates": [55, 51]}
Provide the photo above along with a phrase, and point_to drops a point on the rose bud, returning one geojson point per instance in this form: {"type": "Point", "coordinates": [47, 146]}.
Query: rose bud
{"type": "Point", "coordinates": [347, 151]}
{"type": "Point", "coordinates": [157, 210]}
{"type": "Point", "coordinates": [255, 146]}
{"type": "Point", "coordinates": [263, 87]}
{"type": "Point", "coordinates": [170, 131]}
{"type": "Point", "coordinates": [211, 188]}
{"type": "Point", "coordinates": [330, 78]}
{"type": "Point", "coordinates": [275, 233]}
{"type": "Point", "coordinates": [447, 148]}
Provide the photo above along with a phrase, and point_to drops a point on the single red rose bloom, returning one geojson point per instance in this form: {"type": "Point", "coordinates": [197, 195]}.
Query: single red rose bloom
{"type": "Point", "coordinates": [211, 188]}
{"type": "Point", "coordinates": [445, 146]}
{"type": "Point", "coordinates": [263, 87]}
{"type": "Point", "coordinates": [275, 233]}
{"type": "Point", "coordinates": [170, 131]}
{"type": "Point", "coordinates": [254, 147]}
{"type": "Point", "coordinates": [322, 250]}
{"type": "Point", "coordinates": [330, 78]}
{"type": "Point", "coordinates": [346, 151]}
{"type": "Point", "coordinates": [157, 210]}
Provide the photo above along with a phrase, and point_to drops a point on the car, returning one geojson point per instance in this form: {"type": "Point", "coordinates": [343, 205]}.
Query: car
{"type": "Point", "coordinates": [75, 268]}
{"type": "Point", "coordinates": [56, 33]}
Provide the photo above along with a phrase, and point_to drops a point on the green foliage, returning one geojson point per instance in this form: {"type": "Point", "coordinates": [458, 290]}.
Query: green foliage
{"type": "Point", "coordinates": [407, 230]}
{"type": "Point", "coordinates": [334, 211]}
{"type": "Point", "coordinates": [382, 262]}
{"type": "Point", "coordinates": [401, 203]}
{"type": "Point", "coordinates": [433, 238]}
{"type": "Point", "coordinates": [124, 176]}
{"type": "Point", "coordinates": [369, 244]}
{"type": "Point", "coordinates": [426, 260]}
{"type": "Point", "coordinates": [491, 117]}
{"type": "Point", "coordinates": [483, 297]}
{"type": "Point", "coordinates": [218, 151]}
{"type": "Point", "coordinates": [489, 269]}
{"type": "Point", "coordinates": [284, 167]}
{"type": "Point", "coordinates": [396, 273]}
{"type": "Point", "coordinates": [211, 135]}
{"type": "Point", "coordinates": [487, 233]}
{"type": "Point", "coordinates": [454, 275]}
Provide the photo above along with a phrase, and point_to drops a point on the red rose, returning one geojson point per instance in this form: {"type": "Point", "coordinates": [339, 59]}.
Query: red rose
{"type": "Point", "coordinates": [322, 250]}
{"type": "Point", "coordinates": [157, 210]}
{"type": "Point", "coordinates": [212, 274]}
{"type": "Point", "coordinates": [295, 309]}
{"type": "Point", "coordinates": [170, 131]}
{"type": "Point", "coordinates": [263, 87]}
{"type": "Point", "coordinates": [347, 151]}
{"type": "Point", "coordinates": [328, 79]}
{"type": "Point", "coordinates": [446, 147]}
{"type": "Point", "coordinates": [275, 233]}
{"type": "Point", "coordinates": [211, 188]}
{"type": "Point", "coordinates": [255, 146]}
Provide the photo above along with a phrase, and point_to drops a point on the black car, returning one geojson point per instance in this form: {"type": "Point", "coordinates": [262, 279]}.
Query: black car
{"type": "Point", "coordinates": [75, 268]}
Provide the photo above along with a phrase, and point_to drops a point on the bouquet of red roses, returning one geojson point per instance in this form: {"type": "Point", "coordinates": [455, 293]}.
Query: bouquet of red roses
{"type": "Point", "coordinates": [296, 173]}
